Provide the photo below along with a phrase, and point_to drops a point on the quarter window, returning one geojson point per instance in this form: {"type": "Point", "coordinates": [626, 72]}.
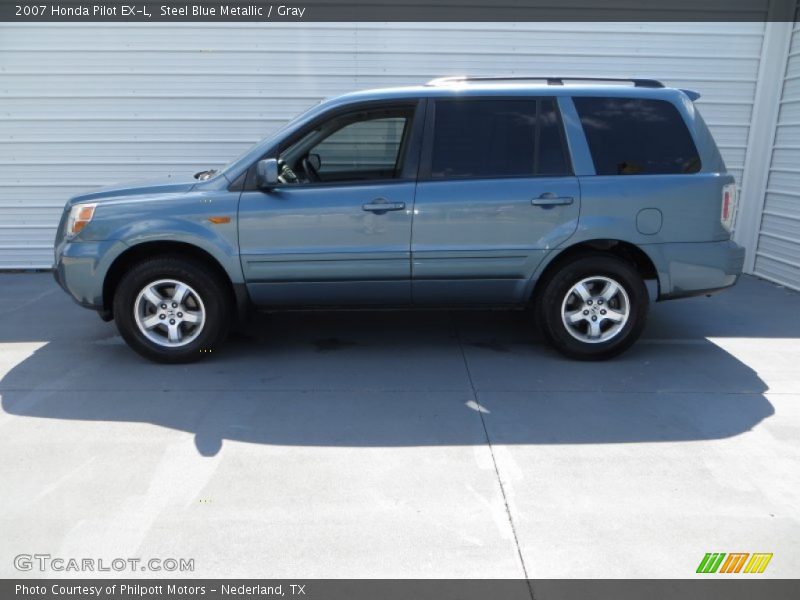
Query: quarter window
{"type": "Point", "coordinates": [636, 136]}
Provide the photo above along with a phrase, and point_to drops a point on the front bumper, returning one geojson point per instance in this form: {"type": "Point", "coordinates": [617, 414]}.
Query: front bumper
{"type": "Point", "coordinates": [692, 269]}
{"type": "Point", "coordinates": [80, 269]}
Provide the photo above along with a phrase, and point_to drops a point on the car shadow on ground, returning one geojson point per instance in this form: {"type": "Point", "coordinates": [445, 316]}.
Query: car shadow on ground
{"type": "Point", "coordinates": [393, 379]}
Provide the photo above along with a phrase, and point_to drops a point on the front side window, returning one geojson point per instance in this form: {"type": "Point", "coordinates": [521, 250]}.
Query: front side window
{"type": "Point", "coordinates": [361, 146]}
{"type": "Point", "coordinates": [636, 136]}
{"type": "Point", "coordinates": [498, 138]}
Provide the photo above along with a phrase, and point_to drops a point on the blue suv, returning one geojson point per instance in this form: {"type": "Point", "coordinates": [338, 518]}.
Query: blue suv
{"type": "Point", "coordinates": [559, 194]}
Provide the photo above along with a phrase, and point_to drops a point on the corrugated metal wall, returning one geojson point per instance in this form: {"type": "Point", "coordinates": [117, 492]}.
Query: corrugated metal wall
{"type": "Point", "coordinates": [778, 252]}
{"type": "Point", "coordinates": [86, 105]}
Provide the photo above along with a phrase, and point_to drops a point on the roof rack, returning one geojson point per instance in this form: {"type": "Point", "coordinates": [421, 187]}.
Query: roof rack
{"type": "Point", "coordinates": [648, 83]}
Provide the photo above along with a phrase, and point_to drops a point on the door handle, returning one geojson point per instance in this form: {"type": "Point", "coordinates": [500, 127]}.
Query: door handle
{"type": "Point", "coordinates": [380, 205]}
{"type": "Point", "coordinates": [550, 199]}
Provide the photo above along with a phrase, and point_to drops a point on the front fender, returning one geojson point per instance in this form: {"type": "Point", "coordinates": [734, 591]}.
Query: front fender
{"type": "Point", "coordinates": [218, 240]}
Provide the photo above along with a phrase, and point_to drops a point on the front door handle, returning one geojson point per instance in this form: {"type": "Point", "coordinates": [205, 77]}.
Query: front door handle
{"type": "Point", "coordinates": [550, 199]}
{"type": "Point", "coordinates": [381, 205]}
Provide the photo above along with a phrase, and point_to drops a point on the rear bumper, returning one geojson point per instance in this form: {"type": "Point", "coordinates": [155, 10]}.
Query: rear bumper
{"type": "Point", "coordinates": [692, 269]}
{"type": "Point", "coordinates": [80, 269]}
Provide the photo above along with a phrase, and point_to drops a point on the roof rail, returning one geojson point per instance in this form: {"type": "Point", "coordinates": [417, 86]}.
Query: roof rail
{"type": "Point", "coordinates": [649, 83]}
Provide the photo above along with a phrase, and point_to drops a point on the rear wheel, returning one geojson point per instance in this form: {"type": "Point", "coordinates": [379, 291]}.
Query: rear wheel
{"type": "Point", "coordinates": [172, 309]}
{"type": "Point", "coordinates": [593, 308]}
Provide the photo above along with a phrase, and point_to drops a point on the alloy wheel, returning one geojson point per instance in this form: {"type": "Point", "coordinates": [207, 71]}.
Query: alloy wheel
{"type": "Point", "coordinates": [595, 309]}
{"type": "Point", "coordinates": [169, 313]}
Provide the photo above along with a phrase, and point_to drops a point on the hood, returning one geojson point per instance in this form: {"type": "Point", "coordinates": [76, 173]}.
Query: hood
{"type": "Point", "coordinates": [136, 188]}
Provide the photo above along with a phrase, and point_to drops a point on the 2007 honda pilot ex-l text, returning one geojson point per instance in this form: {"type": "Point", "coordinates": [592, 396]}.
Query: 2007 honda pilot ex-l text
{"type": "Point", "coordinates": [564, 195]}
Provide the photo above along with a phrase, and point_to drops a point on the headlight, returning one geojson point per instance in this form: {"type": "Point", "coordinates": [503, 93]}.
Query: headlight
{"type": "Point", "coordinates": [79, 216]}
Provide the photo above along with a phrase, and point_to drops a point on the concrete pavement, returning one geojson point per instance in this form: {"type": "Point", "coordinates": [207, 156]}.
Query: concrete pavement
{"type": "Point", "coordinates": [404, 444]}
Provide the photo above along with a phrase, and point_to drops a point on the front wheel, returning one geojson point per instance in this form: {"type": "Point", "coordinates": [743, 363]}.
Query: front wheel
{"type": "Point", "coordinates": [171, 309]}
{"type": "Point", "coordinates": [593, 307]}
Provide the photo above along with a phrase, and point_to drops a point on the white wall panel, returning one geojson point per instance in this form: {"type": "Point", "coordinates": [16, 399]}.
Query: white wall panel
{"type": "Point", "coordinates": [83, 105]}
{"type": "Point", "coordinates": [778, 251]}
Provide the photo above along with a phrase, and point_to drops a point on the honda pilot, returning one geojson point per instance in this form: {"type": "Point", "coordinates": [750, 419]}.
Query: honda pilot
{"type": "Point", "coordinates": [556, 194]}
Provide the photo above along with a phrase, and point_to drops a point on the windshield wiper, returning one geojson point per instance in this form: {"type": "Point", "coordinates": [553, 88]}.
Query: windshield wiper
{"type": "Point", "coordinates": [202, 175]}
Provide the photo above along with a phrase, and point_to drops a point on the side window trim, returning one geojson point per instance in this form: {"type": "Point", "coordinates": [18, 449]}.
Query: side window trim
{"type": "Point", "coordinates": [577, 144]}
{"type": "Point", "coordinates": [562, 134]}
{"type": "Point", "coordinates": [426, 155]}
{"type": "Point", "coordinates": [413, 142]}
{"type": "Point", "coordinates": [424, 171]}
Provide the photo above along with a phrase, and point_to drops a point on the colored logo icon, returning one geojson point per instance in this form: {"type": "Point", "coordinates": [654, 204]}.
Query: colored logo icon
{"type": "Point", "coordinates": [734, 562]}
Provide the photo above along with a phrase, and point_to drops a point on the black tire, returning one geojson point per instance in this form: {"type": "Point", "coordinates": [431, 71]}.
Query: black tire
{"type": "Point", "coordinates": [215, 304]}
{"type": "Point", "coordinates": [555, 296]}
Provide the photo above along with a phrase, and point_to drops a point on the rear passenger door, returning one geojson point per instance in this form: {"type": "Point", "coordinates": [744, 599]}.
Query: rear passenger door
{"type": "Point", "coordinates": [495, 193]}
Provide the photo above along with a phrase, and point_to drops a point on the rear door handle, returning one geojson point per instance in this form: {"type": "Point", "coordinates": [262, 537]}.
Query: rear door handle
{"type": "Point", "coordinates": [550, 199]}
{"type": "Point", "coordinates": [381, 205]}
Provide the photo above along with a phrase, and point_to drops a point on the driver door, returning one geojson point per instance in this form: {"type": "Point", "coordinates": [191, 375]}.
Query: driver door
{"type": "Point", "coordinates": [338, 230]}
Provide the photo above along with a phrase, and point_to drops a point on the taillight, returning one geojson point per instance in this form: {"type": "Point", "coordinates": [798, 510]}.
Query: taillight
{"type": "Point", "coordinates": [728, 206]}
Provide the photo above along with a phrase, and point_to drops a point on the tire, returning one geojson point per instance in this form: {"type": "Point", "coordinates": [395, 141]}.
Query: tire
{"type": "Point", "coordinates": [581, 314]}
{"type": "Point", "coordinates": [172, 309]}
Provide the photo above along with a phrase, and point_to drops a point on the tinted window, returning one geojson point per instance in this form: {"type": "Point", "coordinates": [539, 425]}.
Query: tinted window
{"type": "Point", "coordinates": [634, 136]}
{"type": "Point", "coordinates": [497, 138]}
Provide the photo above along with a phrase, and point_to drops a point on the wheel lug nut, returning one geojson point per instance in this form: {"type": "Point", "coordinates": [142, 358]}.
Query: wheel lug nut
{"type": "Point", "coordinates": [162, 316]}
{"type": "Point", "coordinates": [174, 305]}
{"type": "Point", "coordinates": [586, 312]}
{"type": "Point", "coordinates": [180, 315]}
{"type": "Point", "coordinates": [594, 318]}
{"type": "Point", "coordinates": [599, 302]}
{"type": "Point", "coordinates": [602, 312]}
{"type": "Point", "coordinates": [163, 306]}
{"type": "Point", "coordinates": [172, 321]}
{"type": "Point", "coordinates": [589, 302]}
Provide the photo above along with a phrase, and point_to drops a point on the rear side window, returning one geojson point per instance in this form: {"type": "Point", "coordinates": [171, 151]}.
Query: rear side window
{"type": "Point", "coordinates": [497, 138]}
{"type": "Point", "coordinates": [636, 136]}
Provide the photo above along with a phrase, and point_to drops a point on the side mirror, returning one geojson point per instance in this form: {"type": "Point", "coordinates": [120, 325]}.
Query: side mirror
{"type": "Point", "coordinates": [267, 173]}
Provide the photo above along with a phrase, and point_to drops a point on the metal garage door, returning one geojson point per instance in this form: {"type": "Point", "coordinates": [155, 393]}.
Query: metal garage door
{"type": "Point", "coordinates": [82, 105]}
{"type": "Point", "coordinates": [778, 252]}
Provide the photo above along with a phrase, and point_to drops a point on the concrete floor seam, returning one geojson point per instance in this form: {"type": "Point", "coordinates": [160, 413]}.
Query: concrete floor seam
{"type": "Point", "coordinates": [491, 453]}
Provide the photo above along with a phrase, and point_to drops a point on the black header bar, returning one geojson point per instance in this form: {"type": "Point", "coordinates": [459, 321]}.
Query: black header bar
{"type": "Point", "coordinates": [156, 11]}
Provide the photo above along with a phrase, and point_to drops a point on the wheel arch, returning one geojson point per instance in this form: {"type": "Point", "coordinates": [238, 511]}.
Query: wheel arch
{"type": "Point", "coordinates": [621, 249]}
{"type": "Point", "coordinates": [150, 249]}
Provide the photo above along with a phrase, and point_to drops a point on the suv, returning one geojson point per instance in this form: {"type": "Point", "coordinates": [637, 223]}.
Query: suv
{"type": "Point", "coordinates": [462, 192]}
